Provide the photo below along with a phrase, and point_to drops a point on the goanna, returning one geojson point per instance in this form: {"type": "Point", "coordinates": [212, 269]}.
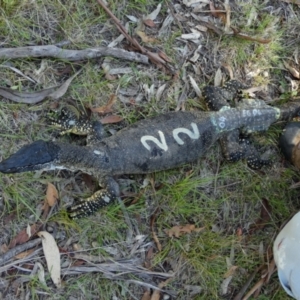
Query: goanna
{"type": "Point", "coordinates": [163, 142]}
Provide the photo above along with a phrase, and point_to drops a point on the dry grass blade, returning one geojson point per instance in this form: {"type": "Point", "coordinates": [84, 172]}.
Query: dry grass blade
{"type": "Point", "coordinates": [154, 235]}
{"type": "Point", "coordinates": [70, 55]}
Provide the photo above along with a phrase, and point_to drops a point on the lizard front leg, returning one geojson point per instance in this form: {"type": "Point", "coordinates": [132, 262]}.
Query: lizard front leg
{"type": "Point", "coordinates": [99, 199]}
{"type": "Point", "coordinates": [218, 98]}
{"type": "Point", "coordinates": [70, 122]}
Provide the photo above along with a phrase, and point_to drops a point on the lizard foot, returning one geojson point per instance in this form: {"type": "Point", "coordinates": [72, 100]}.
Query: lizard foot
{"type": "Point", "coordinates": [70, 122]}
{"type": "Point", "coordinates": [236, 148]}
{"type": "Point", "coordinates": [89, 206]}
{"type": "Point", "coordinates": [218, 97]}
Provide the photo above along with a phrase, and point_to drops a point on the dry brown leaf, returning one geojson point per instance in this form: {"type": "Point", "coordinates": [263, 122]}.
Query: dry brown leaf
{"type": "Point", "coordinates": [106, 108]}
{"type": "Point", "coordinates": [156, 293]}
{"type": "Point", "coordinates": [177, 230]}
{"type": "Point", "coordinates": [146, 39]}
{"type": "Point", "coordinates": [22, 237]}
{"type": "Point", "coordinates": [149, 23]}
{"type": "Point", "coordinates": [146, 296]}
{"type": "Point", "coordinates": [216, 12]}
{"type": "Point", "coordinates": [230, 272]}
{"type": "Point", "coordinates": [111, 119]}
{"type": "Point", "coordinates": [51, 194]}
{"type": "Point", "coordinates": [3, 248]}
{"type": "Point", "coordinates": [24, 254]}
{"type": "Point", "coordinates": [52, 256]}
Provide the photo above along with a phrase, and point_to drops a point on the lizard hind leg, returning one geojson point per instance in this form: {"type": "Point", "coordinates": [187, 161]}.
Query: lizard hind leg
{"type": "Point", "coordinates": [98, 200]}
{"type": "Point", "coordinates": [236, 148]}
{"type": "Point", "coordinates": [70, 121]}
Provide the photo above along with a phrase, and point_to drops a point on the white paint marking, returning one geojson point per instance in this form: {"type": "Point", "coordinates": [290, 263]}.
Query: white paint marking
{"type": "Point", "coordinates": [71, 122]}
{"type": "Point", "coordinates": [222, 125]}
{"type": "Point", "coordinates": [161, 144]}
{"type": "Point", "coordinates": [222, 121]}
{"type": "Point", "coordinates": [192, 134]}
{"type": "Point", "coordinates": [106, 199]}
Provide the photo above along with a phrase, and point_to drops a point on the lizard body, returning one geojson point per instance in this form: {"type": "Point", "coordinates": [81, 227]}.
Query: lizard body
{"type": "Point", "coordinates": [160, 143]}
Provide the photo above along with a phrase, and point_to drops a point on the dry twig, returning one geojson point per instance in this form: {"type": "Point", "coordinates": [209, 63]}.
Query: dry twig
{"type": "Point", "coordinates": [70, 55]}
{"type": "Point", "coordinates": [154, 57]}
{"type": "Point", "coordinates": [4, 258]}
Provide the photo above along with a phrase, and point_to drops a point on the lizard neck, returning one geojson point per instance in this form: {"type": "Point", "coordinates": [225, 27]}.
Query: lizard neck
{"type": "Point", "coordinates": [85, 159]}
{"type": "Point", "coordinates": [249, 119]}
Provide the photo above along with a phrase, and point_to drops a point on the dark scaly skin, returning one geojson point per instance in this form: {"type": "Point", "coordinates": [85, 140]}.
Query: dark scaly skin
{"type": "Point", "coordinates": [233, 146]}
{"type": "Point", "coordinates": [160, 143]}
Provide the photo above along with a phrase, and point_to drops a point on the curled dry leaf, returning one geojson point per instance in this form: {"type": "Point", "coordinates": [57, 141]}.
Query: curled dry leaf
{"type": "Point", "coordinates": [216, 12]}
{"type": "Point", "coordinates": [22, 237]}
{"type": "Point", "coordinates": [106, 108]}
{"type": "Point", "coordinates": [111, 119]}
{"type": "Point", "coordinates": [152, 16]}
{"type": "Point", "coordinates": [32, 98]}
{"type": "Point", "coordinates": [156, 293]}
{"type": "Point", "coordinates": [195, 86]}
{"type": "Point", "coordinates": [180, 230]}
{"type": "Point", "coordinates": [291, 69]}
{"type": "Point", "coordinates": [52, 256]}
{"type": "Point", "coordinates": [149, 23]}
{"type": "Point", "coordinates": [51, 194]}
{"type": "Point", "coordinates": [218, 78]}
{"type": "Point", "coordinates": [230, 272]}
{"type": "Point", "coordinates": [24, 254]}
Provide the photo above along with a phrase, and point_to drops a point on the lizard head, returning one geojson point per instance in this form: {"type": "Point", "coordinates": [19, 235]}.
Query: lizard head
{"type": "Point", "coordinates": [36, 156]}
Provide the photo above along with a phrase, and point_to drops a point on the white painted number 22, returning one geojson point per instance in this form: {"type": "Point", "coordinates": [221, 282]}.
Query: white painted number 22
{"type": "Point", "coordinates": [161, 142]}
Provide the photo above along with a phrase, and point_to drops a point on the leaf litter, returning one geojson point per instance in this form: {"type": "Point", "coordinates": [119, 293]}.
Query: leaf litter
{"type": "Point", "coordinates": [197, 54]}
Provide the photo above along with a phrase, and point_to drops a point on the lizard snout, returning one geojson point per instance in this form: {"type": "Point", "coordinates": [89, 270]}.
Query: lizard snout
{"type": "Point", "coordinates": [35, 156]}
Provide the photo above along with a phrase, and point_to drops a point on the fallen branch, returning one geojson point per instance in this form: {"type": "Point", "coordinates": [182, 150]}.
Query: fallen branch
{"type": "Point", "coordinates": [4, 258]}
{"type": "Point", "coordinates": [154, 57]}
{"type": "Point", "coordinates": [70, 55]}
{"type": "Point", "coordinates": [115, 269]}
